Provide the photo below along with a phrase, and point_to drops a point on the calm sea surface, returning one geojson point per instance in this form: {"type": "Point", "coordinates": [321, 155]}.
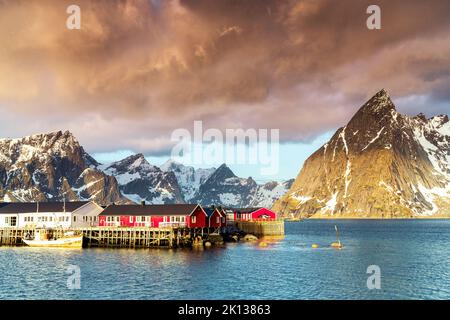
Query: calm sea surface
{"type": "Point", "coordinates": [414, 257]}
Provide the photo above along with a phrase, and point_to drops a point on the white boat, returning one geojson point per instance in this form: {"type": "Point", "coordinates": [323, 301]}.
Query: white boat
{"type": "Point", "coordinates": [69, 240]}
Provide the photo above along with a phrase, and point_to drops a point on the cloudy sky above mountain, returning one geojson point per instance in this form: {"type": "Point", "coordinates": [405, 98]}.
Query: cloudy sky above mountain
{"type": "Point", "coordinates": [139, 69]}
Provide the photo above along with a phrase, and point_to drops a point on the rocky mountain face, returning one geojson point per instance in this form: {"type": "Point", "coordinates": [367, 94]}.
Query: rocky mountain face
{"type": "Point", "coordinates": [189, 178]}
{"type": "Point", "coordinates": [223, 187]}
{"type": "Point", "coordinates": [141, 181]}
{"type": "Point", "coordinates": [48, 167]}
{"type": "Point", "coordinates": [380, 165]}
{"type": "Point", "coordinates": [185, 184]}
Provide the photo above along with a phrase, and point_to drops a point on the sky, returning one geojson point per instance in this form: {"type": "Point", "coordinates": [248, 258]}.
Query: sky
{"type": "Point", "coordinates": [138, 70]}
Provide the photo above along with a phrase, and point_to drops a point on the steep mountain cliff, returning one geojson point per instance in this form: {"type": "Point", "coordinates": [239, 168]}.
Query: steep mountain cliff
{"type": "Point", "coordinates": [380, 165]}
{"type": "Point", "coordinates": [189, 178]}
{"type": "Point", "coordinates": [223, 187]}
{"type": "Point", "coordinates": [141, 181]}
{"type": "Point", "coordinates": [48, 167]}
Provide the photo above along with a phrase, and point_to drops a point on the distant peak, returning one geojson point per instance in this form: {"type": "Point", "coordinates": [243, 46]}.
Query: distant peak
{"type": "Point", "coordinates": [224, 170]}
{"type": "Point", "coordinates": [381, 102]}
{"type": "Point", "coordinates": [382, 92]}
{"type": "Point", "coordinates": [170, 164]}
{"type": "Point", "coordinates": [421, 117]}
{"type": "Point", "coordinates": [132, 162]}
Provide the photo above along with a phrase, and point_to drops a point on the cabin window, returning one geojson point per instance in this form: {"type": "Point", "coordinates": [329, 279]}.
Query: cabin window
{"type": "Point", "coordinates": [117, 219]}
{"type": "Point", "coordinates": [217, 219]}
{"type": "Point", "coordinates": [183, 219]}
{"type": "Point", "coordinates": [74, 219]}
{"type": "Point", "coordinates": [193, 219]}
{"type": "Point", "coordinates": [131, 219]}
{"type": "Point", "coordinates": [12, 221]}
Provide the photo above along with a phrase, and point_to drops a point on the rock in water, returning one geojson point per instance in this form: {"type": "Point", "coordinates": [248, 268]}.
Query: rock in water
{"type": "Point", "coordinates": [380, 165]}
{"type": "Point", "coordinates": [250, 237]}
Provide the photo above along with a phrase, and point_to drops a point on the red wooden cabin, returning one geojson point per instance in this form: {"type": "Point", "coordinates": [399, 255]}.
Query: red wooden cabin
{"type": "Point", "coordinates": [216, 217]}
{"type": "Point", "coordinates": [247, 214]}
{"type": "Point", "coordinates": [157, 216]}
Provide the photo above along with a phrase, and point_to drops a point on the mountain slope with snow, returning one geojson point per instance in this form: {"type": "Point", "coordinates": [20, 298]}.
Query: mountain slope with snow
{"type": "Point", "coordinates": [380, 165]}
{"type": "Point", "coordinates": [140, 181]}
{"type": "Point", "coordinates": [189, 179]}
{"type": "Point", "coordinates": [224, 188]}
{"type": "Point", "coordinates": [53, 166]}
{"type": "Point", "coordinates": [49, 167]}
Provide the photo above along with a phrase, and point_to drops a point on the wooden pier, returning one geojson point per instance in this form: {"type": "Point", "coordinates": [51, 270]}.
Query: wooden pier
{"type": "Point", "coordinates": [112, 236]}
{"type": "Point", "coordinates": [262, 228]}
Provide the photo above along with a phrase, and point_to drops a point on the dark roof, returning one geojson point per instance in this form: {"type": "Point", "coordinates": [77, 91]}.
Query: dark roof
{"type": "Point", "coordinates": [209, 211]}
{"type": "Point", "coordinates": [149, 210]}
{"type": "Point", "coordinates": [246, 210]}
{"type": "Point", "coordinates": [26, 207]}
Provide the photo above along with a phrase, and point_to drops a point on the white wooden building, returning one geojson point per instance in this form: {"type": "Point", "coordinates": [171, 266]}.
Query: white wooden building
{"type": "Point", "coordinates": [75, 214]}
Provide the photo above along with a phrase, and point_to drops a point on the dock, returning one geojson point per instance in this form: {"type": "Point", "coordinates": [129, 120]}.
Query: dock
{"type": "Point", "coordinates": [261, 228]}
{"type": "Point", "coordinates": [112, 237]}
{"type": "Point", "coordinates": [144, 237]}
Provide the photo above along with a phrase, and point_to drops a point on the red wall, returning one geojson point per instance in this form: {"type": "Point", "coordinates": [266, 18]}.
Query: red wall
{"type": "Point", "coordinates": [201, 219]}
{"type": "Point", "coordinates": [263, 211]}
{"type": "Point", "coordinates": [256, 215]}
{"type": "Point", "coordinates": [213, 220]}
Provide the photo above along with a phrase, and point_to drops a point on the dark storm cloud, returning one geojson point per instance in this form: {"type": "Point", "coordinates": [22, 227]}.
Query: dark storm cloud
{"type": "Point", "coordinates": [139, 69]}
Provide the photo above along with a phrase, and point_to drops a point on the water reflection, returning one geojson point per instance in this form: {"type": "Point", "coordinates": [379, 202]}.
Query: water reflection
{"type": "Point", "coordinates": [412, 255]}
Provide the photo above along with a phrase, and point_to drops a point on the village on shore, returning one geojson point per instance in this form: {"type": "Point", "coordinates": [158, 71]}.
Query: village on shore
{"type": "Point", "coordinates": [136, 225]}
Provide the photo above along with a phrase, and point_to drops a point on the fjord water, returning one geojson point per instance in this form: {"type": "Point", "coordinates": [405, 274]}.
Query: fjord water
{"type": "Point", "coordinates": [414, 257]}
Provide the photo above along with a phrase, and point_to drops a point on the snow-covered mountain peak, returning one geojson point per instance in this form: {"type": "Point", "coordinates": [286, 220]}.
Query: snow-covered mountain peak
{"type": "Point", "coordinates": [171, 165]}
{"type": "Point", "coordinates": [381, 164]}
{"type": "Point", "coordinates": [132, 164]}
{"type": "Point", "coordinates": [44, 166]}
{"type": "Point", "coordinates": [380, 103]}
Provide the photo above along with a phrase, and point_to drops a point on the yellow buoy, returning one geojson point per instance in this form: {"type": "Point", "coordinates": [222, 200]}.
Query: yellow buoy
{"type": "Point", "coordinates": [337, 245]}
{"type": "Point", "coordinates": [315, 246]}
{"type": "Point", "coordinates": [263, 244]}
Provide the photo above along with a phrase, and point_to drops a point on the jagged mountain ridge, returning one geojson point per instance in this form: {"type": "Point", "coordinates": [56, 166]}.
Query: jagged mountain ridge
{"type": "Point", "coordinates": [50, 167]}
{"type": "Point", "coordinates": [141, 181]}
{"type": "Point", "coordinates": [381, 164]}
{"type": "Point", "coordinates": [53, 166]}
{"type": "Point", "coordinates": [174, 182]}
{"type": "Point", "coordinates": [224, 187]}
{"type": "Point", "coordinates": [189, 178]}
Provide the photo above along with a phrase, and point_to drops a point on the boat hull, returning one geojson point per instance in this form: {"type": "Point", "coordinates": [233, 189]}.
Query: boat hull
{"type": "Point", "coordinates": [72, 242]}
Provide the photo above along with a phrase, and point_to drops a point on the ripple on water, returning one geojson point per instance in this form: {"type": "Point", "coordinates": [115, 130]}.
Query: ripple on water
{"type": "Point", "coordinates": [412, 255]}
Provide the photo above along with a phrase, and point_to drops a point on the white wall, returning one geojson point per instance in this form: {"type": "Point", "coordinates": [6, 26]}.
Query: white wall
{"type": "Point", "coordinates": [86, 216]}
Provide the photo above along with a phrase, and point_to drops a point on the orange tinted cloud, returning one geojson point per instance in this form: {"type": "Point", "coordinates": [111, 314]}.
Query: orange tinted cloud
{"type": "Point", "coordinates": [139, 69]}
